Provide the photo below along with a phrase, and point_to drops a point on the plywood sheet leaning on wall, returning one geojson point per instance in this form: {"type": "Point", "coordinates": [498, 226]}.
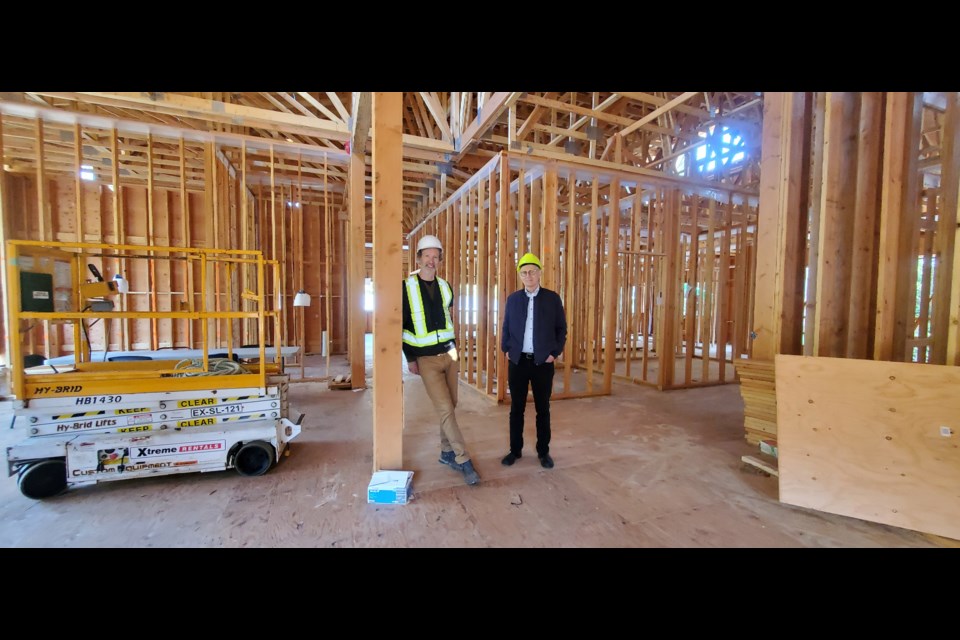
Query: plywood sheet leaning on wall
{"type": "Point", "coordinates": [874, 440]}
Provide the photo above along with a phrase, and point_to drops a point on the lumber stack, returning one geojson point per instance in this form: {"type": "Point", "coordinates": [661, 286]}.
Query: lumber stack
{"type": "Point", "coordinates": [758, 390]}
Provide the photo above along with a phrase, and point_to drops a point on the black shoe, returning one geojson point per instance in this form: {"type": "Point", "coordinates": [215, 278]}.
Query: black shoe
{"type": "Point", "coordinates": [509, 459]}
{"type": "Point", "coordinates": [546, 461]}
{"type": "Point", "coordinates": [469, 473]}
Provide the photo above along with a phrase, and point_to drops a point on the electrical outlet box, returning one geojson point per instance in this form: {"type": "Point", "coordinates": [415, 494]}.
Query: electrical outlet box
{"type": "Point", "coordinates": [36, 291]}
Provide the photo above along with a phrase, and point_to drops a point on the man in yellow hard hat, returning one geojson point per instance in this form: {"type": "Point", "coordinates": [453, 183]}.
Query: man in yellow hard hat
{"type": "Point", "coordinates": [430, 348]}
{"type": "Point", "coordinates": [534, 334]}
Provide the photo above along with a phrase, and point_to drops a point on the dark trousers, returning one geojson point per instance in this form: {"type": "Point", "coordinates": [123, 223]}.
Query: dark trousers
{"type": "Point", "coordinates": [521, 377]}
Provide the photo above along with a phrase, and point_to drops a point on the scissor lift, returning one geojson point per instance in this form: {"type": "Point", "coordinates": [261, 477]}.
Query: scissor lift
{"type": "Point", "coordinates": [89, 421]}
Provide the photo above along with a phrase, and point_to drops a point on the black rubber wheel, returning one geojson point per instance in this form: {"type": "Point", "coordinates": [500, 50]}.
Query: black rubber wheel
{"type": "Point", "coordinates": [43, 479]}
{"type": "Point", "coordinates": [254, 458]}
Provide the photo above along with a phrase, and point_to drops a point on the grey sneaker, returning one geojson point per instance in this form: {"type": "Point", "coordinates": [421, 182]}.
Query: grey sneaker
{"type": "Point", "coordinates": [469, 473]}
{"type": "Point", "coordinates": [450, 458]}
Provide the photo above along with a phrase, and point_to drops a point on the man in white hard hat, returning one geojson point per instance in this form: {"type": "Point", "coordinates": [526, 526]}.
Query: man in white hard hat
{"type": "Point", "coordinates": [534, 334]}
{"type": "Point", "coordinates": [430, 348]}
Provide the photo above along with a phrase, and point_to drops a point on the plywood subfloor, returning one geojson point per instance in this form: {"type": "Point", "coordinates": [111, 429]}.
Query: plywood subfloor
{"type": "Point", "coordinates": [640, 468]}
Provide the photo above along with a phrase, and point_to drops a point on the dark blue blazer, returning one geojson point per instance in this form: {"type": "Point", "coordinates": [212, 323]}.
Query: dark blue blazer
{"type": "Point", "coordinates": [549, 325]}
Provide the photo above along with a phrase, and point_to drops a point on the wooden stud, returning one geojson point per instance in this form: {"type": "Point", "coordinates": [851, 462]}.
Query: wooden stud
{"type": "Point", "coordinates": [649, 309]}
{"type": "Point", "coordinates": [610, 302]}
{"type": "Point", "coordinates": [549, 249]}
{"type": "Point", "coordinates": [522, 214]}
{"type": "Point", "coordinates": [813, 244]}
{"type": "Point", "coordinates": [357, 268]}
{"type": "Point", "coordinates": [78, 180]}
{"type": "Point", "coordinates": [151, 239]}
{"type": "Point", "coordinates": [537, 217]}
{"type": "Point", "coordinates": [865, 218]}
{"type": "Point", "coordinates": [946, 322]}
{"type": "Point", "coordinates": [245, 305]}
{"type": "Point", "coordinates": [470, 301]}
{"type": "Point", "coordinates": [483, 288]}
{"type": "Point", "coordinates": [899, 196]}
{"type": "Point", "coordinates": [571, 264]}
{"type": "Point", "coordinates": [329, 252]}
{"type": "Point", "coordinates": [185, 234]}
{"type": "Point", "coordinates": [387, 254]}
{"type": "Point", "coordinates": [709, 300]}
{"type": "Point", "coordinates": [5, 328]}
{"type": "Point", "coordinates": [723, 289]}
{"type": "Point", "coordinates": [691, 309]}
{"type": "Point", "coordinates": [506, 276]}
{"type": "Point", "coordinates": [671, 274]}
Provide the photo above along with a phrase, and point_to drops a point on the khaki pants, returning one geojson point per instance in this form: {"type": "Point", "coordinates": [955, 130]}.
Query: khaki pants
{"type": "Point", "coordinates": [439, 374]}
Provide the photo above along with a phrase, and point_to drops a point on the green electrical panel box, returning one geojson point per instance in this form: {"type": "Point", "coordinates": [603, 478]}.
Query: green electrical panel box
{"type": "Point", "coordinates": [36, 291]}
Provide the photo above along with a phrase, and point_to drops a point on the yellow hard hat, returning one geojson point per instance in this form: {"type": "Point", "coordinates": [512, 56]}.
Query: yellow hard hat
{"type": "Point", "coordinates": [529, 258]}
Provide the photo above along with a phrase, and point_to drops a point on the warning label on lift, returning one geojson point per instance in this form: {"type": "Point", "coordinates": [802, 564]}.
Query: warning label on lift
{"type": "Point", "coordinates": [140, 399]}
{"type": "Point", "coordinates": [200, 422]}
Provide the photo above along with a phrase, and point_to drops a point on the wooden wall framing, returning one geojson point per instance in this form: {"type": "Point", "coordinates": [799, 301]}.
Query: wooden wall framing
{"type": "Point", "coordinates": [857, 231]}
{"type": "Point", "coordinates": [631, 276]}
{"type": "Point", "coordinates": [75, 183]}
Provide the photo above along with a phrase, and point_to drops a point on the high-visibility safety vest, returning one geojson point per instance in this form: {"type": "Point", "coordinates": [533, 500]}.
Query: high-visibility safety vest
{"type": "Point", "coordinates": [422, 337]}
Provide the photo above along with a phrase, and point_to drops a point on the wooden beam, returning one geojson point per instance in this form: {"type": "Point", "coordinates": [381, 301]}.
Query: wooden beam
{"type": "Point", "coordinates": [656, 113]}
{"type": "Point", "coordinates": [224, 112]}
{"type": "Point", "coordinates": [141, 128]}
{"type": "Point", "coordinates": [533, 118]}
{"type": "Point", "coordinates": [360, 125]}
{"type": "Point", "coordinates": [657, 101]}
{"type": "Point", "coordinates": [433, 105]}
{"type": "Point", "coordinates": [595, 112]}
{"type": "Point", "coordinates": [413, 146]}
{"type": "Point", "coordinates": [387, 263]}
{"type": "Point", "coordinates": [765, 330]}
{"type": "Point", "coordinates": [316, 104]}
{"type": "Point", "coordinates": [609, 102]}
{"type": "Point", "coordinates": [338, 105]}
{"type": "Point", "coordinates": [493, 107]}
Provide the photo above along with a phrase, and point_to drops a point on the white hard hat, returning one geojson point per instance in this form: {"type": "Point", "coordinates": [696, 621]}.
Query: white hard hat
{"type": "Point", "coordinates": [429, 242]}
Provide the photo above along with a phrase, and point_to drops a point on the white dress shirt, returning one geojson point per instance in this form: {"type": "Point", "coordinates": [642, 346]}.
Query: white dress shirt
{"type": "Point", "coordinates": [528, 328]}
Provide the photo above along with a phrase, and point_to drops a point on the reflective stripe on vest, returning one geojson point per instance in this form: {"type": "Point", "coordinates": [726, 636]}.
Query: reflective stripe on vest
{"type": "Point", "coordinates": [422, 337]}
